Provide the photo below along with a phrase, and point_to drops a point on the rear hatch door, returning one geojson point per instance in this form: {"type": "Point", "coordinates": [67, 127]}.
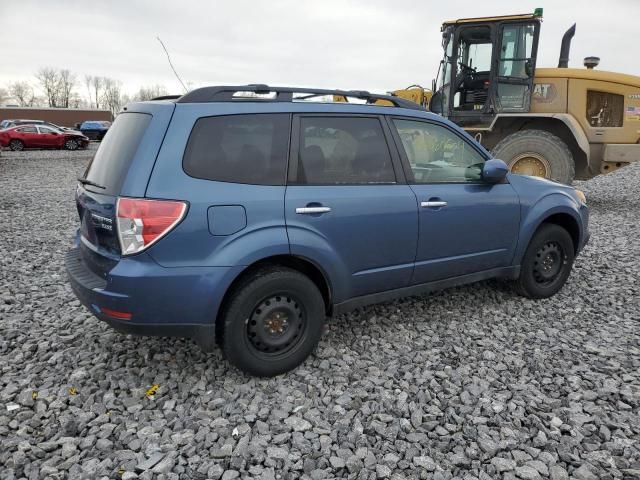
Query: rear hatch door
{"type": "Point", "coordinates": [120, 167]}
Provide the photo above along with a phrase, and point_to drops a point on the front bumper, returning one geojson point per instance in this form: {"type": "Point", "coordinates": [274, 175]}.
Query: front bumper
{"type": "Point", "coordinates": [585, 234]}
{"type": "Point", "coordinates": [173, 302]}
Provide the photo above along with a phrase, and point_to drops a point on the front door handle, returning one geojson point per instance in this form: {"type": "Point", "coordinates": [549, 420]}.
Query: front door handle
{"type": "Point", "coordinates": [433, 204]}
{"type": "Point", "coordinates": [308, 210]}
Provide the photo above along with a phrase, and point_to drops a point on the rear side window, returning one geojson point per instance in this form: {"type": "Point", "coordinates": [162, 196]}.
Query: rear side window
{"type": "Point", "coordinates": [111, 162]}
{"type": "Point", "coordinates": [343, 150]}
{"type": "Point", "coordinates": [248, 149]}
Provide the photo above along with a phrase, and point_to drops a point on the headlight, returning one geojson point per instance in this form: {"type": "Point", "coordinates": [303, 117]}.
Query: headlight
{"type": "Point", "coordinates": [581, 196]}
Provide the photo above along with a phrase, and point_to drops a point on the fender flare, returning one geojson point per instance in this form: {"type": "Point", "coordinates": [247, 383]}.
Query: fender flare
{"type": "Point", "coordinates": [569, 121]}
{"type": "Point", "coordinates": [552, 204]}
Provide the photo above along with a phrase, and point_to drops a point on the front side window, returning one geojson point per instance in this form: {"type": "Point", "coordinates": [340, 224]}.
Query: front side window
{"type": "Point", "coordinates": [343, 150]}
{"type": "Point", "coordinates": [45, 130]}
{"type": "Point", "coordinates": [249, 149]}
{"type": "Point", "coordinates": [437, 155]}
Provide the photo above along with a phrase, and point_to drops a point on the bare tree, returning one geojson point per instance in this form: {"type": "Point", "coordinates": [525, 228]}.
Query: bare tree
{"type": "Point", "coordinates": [76, 101]}
{"type": "Point", "coordinates": [23, 93]}
{"type": "Point", "coordinates": [50, 83]}
{"type": "Point", "coordinates": [95, 86]}
{"type": "Point", "coordinates": [113, 98]}
{"type": "Point", "coordinates": [4, 94]}
{"type": "Point", "coordinates": [66, 82]}
{"type": "Point", "coordinates": [152, 91]}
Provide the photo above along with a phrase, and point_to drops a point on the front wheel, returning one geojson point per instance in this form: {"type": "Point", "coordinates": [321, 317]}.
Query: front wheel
{"type": "Point", "coordinates": [537, 153]}
{"type": "Point", "coordinates": [547, 262]}
{"type": "Point", "coordinates": [71, 144]}
{"type": "Point", "coordinates": [272, 322]}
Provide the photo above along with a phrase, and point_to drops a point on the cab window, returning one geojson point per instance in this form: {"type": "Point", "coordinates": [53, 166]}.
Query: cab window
{"type": "Point", "coordinates": [438, 155]}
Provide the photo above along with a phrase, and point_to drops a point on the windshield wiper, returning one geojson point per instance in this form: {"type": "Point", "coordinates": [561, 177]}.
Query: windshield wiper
{"type": "Point", "coordinates": [84, 181]}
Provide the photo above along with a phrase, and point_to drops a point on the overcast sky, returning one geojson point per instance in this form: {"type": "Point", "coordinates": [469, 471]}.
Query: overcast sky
{"type": "Point", "coordinates": [361, 44]}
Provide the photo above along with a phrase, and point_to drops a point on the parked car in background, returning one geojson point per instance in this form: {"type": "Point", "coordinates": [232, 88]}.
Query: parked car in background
{"type": "Point", "coordinates": [41, 136]}
{"type": "Point", "coordinates": [249, 222]}
{"type": "Point", "coordinates": [94, 130]}
{"type": "Point", "coordinates": [8, 123]}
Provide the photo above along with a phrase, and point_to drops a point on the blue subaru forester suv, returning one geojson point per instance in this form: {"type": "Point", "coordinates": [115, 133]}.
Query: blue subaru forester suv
{"type": "Point", "coordinates": [245, 216]}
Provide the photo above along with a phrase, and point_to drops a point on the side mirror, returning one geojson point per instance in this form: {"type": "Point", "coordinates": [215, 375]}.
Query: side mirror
{"type": "Point", "coordinates": [494, 171]}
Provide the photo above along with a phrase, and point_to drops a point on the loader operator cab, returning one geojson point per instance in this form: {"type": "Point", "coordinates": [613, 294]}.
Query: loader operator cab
{"type": "Point", "coordinates": [488, 68]}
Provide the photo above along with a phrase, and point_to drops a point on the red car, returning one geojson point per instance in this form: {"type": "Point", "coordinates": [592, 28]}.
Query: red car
{"type": "Point", "coordinates": [36, 136]}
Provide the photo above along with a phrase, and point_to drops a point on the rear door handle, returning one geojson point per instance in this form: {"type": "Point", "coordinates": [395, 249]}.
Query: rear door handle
{"type": "Point", "coordinates": [433, 204]}
{"type": "Point", "coordinates": [308, 210]}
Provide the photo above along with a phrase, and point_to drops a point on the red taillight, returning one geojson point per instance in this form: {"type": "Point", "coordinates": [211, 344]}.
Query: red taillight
{"type": "Point", "coordinates": [116, 314]}
{"type": "Point", "coordinates": [142, 222]}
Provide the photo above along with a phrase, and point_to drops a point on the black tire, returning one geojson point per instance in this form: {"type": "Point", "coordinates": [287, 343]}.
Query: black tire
{"type": "Point", "coordinates": [16, 145]}
{"type": "Point", "coordinates": [71, 144]}
{"type": "Point", "coordinates": [544, 145]}
{"type": "Point", "coordinates": [547, 262]}
{"type": "Point", "coordinates": [272, 322]}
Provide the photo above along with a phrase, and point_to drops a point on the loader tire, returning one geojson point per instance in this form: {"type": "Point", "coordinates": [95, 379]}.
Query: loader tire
{"type": "Point", "coordinates": [538, 153]}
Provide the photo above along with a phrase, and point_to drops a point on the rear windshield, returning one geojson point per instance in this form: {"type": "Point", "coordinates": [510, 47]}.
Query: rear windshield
{"type": "Point", "coordinates": [111, 162]}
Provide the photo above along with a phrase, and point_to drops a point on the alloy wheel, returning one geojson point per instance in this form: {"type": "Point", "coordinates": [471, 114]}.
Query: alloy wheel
{"type": "Point", "coordinates": [16, 145]}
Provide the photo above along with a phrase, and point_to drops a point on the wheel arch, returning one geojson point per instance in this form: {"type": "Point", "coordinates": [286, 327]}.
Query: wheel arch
{"type": "Point", "coordinates": [557, 209]}
{"type": "Point", "coordinates": [562, 125]}
{"type": "Point", "coordinates": [301, 264]}
{"type": "Point", "coordinates": [566, 221]}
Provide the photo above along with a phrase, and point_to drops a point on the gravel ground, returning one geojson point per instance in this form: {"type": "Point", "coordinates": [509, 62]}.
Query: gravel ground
{"type": "Point", "coordinates": [471, 383]}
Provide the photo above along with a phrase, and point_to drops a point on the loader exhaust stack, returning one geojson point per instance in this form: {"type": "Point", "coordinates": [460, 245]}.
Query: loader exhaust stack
{"type": "Point", "coordinates": [565, 47]}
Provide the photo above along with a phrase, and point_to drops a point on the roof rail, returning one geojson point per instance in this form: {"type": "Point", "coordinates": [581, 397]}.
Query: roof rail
{"type": "Point", "coordinates": [227, 93]}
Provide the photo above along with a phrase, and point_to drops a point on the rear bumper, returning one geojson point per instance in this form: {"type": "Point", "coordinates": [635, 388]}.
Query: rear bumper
{"type": "Point", "coordinates": [203, 334]}
{"type": "Point", "coordinates": [173, 302]}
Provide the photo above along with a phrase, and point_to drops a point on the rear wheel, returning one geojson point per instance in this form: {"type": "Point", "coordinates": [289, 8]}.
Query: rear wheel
{"type": "Point", "coordinates": [71, 144]}
{"type": "Point", "coordinates": [537, 153]}
{"type": "Point", "coordinates": [547, 262]}
{"type": "Point", "coordinates": [272, 322]}
{"type": "Point", "coordinates": [16, 145]}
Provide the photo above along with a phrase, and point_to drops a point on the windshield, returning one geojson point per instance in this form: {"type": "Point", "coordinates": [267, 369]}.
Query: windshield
{"type": "Point", "coordinates": [478, 56]}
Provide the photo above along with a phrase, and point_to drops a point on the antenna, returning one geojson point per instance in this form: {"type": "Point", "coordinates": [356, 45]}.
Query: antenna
{"type": "Point", "coordinates": [171, 64]}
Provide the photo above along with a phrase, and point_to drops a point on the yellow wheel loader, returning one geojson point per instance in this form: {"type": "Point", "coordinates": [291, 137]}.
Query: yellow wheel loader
{"type": "Point", "coordinates": [559, 123]}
